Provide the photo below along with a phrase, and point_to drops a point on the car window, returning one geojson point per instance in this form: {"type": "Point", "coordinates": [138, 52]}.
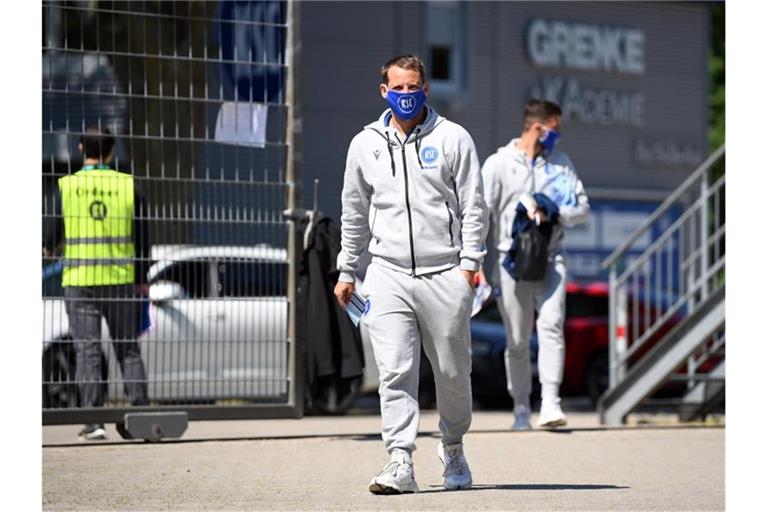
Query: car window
{"type": "Point", "coordinates": [248, 278]}
{"type": "Point", "coordinates": [193, 276]}
{"type": "Point", "coordinates": [581, 305]}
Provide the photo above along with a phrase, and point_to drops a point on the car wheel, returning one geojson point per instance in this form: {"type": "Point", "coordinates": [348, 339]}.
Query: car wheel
{"type": "Point", "coordinates": [59, 389]}
{"type": "Point", "coordinates": [596, 379]}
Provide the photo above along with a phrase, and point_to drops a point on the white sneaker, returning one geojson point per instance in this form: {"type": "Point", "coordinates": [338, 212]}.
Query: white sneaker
{"type": "Point", "coordinates": [456, 473]}
{"type": "Point", "coordinates": [551, 415]}
{"type": "Point", "coordinates": [397, 477]}
{"type": "Point", "coordinates": [522, 418]}
{"type": "Point", "coordinates": [93, 432]}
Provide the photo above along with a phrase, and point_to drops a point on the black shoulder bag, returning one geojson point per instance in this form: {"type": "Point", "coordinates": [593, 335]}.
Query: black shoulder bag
{"type": "Point", "coordinates": [531, 253]}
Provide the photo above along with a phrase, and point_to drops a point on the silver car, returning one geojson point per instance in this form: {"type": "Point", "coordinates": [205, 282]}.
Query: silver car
{"type": "Point", "coordinates": [219, 326]}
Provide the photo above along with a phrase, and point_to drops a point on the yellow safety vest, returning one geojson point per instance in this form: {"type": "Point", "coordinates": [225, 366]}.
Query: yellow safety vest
{"type": "Point", "coordinates": [97, 204]}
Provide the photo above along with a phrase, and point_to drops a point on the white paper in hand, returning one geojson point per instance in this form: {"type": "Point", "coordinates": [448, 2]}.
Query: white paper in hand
{"type": "Point", "coordinates": [482, 293]}
{"type": "Point", "coordinates": [357, 307]}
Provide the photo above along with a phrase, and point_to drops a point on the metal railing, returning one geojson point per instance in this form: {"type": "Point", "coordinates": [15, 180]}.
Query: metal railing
{"type": "Point", "coordinates": [674, 276]}
{"type": "Point", "coordinates": [199, 97]}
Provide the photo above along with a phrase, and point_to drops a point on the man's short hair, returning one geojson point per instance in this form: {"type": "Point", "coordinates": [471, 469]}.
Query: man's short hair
{"type": "Point", "coordinates": [539, 111]}
{"type": "Point", "coordinates": [409, 61]}
{"type": "Point", "coordinates": [97, 142]}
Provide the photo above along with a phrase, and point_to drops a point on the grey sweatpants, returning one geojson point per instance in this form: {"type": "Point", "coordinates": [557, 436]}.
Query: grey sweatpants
{"type": "Point", "coordinates": [406, 312]}
{"type": "Point", "coordinates": [85, 306]}
{"type": "Point", "coordinates": [518, 301]}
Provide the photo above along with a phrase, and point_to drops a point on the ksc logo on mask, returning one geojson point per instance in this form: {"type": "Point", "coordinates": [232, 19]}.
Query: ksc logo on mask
{"type": "Point", "coordinates": [429, 154]}
{"type": "Point", "coordinates": [407, 103]}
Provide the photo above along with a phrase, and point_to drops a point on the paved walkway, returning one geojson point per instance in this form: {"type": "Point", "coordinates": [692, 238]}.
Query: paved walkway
{"type": "Point", "coordinates": [326, 464]}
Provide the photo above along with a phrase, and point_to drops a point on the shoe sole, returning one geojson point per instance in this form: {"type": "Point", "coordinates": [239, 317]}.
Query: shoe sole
{"type": "Point", "coordinates": [554, 423]}
{"type": "Point", "coordinates": [457, 487]}
{"type": "Point", "coordinates": [377, 488]}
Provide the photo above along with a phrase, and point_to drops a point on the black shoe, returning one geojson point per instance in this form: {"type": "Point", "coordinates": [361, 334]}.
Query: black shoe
{"type": "Point", "coordinates": [93, 432]}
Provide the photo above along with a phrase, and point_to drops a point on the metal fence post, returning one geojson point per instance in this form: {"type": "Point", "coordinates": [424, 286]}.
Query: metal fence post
{"type": "Point", "coordinates": [612, 326]}
{"type": "Point", "coordinates": [704, 233]}
{"type": "Point", "coordinates": [621, 332]}
{"type": "Point", "coordinates": [293, 178]}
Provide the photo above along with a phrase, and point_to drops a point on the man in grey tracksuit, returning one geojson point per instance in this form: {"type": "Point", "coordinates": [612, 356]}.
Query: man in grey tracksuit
{"type": "Point", "coordinates": [413, 195]}
{"type": "Point", "coordinates": [527, 165]}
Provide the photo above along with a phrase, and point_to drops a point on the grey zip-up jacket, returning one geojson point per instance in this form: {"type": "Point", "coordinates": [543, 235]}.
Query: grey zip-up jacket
{"type": "Point", "coordinates": [508, 174]}
{"type": "Point", "coordinates": [418, 203]}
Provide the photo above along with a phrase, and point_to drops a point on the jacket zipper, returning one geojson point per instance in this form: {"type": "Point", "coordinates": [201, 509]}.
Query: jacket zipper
{"type": "Point", "coordinates": [408, 209]}
{"type": "Point", "coordinates": [455, 190]}
{"type": "Point", "coordinates": [450, 222]}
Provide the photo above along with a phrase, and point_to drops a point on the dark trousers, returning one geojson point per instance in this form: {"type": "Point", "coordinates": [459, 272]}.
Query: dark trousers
{"type": "Point", "coordinates": [85, 306]}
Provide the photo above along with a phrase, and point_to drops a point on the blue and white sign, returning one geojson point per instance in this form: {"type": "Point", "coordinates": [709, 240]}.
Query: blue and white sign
{"type": "Point", "coordinates": [252, 39]}
{"type": "Point", "coordinates": [610, 224]}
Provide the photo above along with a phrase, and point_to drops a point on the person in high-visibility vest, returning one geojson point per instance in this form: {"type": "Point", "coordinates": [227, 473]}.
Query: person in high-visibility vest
{"type": "Point", "coordinates": [105, 243]}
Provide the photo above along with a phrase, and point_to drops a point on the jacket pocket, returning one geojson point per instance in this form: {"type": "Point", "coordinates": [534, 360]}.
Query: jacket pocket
{"type": "Point", "coordinates": [373, 222]}
{"type": "Point", "coordinates": [450, 222]}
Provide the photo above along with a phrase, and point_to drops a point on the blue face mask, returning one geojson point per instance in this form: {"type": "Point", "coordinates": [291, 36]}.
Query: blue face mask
{"type": "Point", "coordinates": [406, 105]}
{"type": "Point", "coordinates": [549, 139]}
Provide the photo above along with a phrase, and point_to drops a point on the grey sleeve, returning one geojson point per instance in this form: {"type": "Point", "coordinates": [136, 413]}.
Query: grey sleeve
{"type": "Point", "coordinates": [491, 193]}
{"type": "Point", "coordinates": [490, 188]}
{"type": "Point", "coordinates": [472, 207]}
{"type": "Point", "coordinates": [570, 215]}
{"type": "Point", "coordinates": [355, 204]}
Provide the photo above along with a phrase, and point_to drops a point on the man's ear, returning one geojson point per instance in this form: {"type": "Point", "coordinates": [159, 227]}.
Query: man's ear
{"type": "Point", "coordinates": [80, 147]}
{"type": "Point", "coordinates": [383, 90]}
{"type": "Point", "coordinates": [427, 87]}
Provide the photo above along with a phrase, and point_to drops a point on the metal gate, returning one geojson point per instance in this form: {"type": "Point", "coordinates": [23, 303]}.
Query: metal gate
{"type": "Point", "coordinates": [197, 98]}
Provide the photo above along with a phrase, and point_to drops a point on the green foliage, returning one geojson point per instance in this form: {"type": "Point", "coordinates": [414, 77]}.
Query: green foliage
{"type": "Point", "coordinates": [717, 76]}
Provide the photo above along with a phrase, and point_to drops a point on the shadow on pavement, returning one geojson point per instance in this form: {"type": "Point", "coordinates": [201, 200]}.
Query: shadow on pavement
{"type": "Point", "coordinates": [532, 487]}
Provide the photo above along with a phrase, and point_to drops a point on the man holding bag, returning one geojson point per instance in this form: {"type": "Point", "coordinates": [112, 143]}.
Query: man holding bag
{"type": "Point", "coordinates": [533, 192]}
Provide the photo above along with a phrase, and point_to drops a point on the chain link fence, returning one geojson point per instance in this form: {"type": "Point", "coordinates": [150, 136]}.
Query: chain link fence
{"type": "Point", "coordinates": [195, 95]}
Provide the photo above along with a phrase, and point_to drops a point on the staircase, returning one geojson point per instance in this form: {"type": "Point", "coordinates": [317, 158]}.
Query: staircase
{"type": "Point", "coordinates": [667, 305]}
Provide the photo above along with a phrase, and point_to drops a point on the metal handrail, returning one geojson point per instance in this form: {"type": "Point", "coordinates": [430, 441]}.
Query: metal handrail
{"type": "Point", "coordinates": [650, 330]}
{"type": "Point", "coordinates": [664, 238]}
{"type": "Point", "coordinates": [687, 241]}
{"type": "Point", "coordinates": [663, 207]}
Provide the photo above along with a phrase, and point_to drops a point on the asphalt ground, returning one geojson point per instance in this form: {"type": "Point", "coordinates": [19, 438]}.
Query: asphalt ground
{"type": "Point", "coordinates": [326, 463]}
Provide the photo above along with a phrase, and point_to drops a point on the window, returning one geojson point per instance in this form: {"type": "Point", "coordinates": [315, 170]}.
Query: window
{"type": "Point", "coordinates": [244, 278]}
{"type": "Point", "coordinates": [446, 52]}
{"type": "Point", "coordinates": [193, 276]}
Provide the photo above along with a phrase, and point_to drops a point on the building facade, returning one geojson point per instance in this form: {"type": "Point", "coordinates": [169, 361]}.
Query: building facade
{"type": "Point", "coordinates": [631, 77]}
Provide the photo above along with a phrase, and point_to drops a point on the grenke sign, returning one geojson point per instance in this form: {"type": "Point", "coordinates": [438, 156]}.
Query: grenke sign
{"type": "Point", "coordinates": [585, 47]}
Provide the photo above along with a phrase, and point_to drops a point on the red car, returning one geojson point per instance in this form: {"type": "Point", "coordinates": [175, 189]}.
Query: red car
{"type": "Point", "coordinates": [586, 349]}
